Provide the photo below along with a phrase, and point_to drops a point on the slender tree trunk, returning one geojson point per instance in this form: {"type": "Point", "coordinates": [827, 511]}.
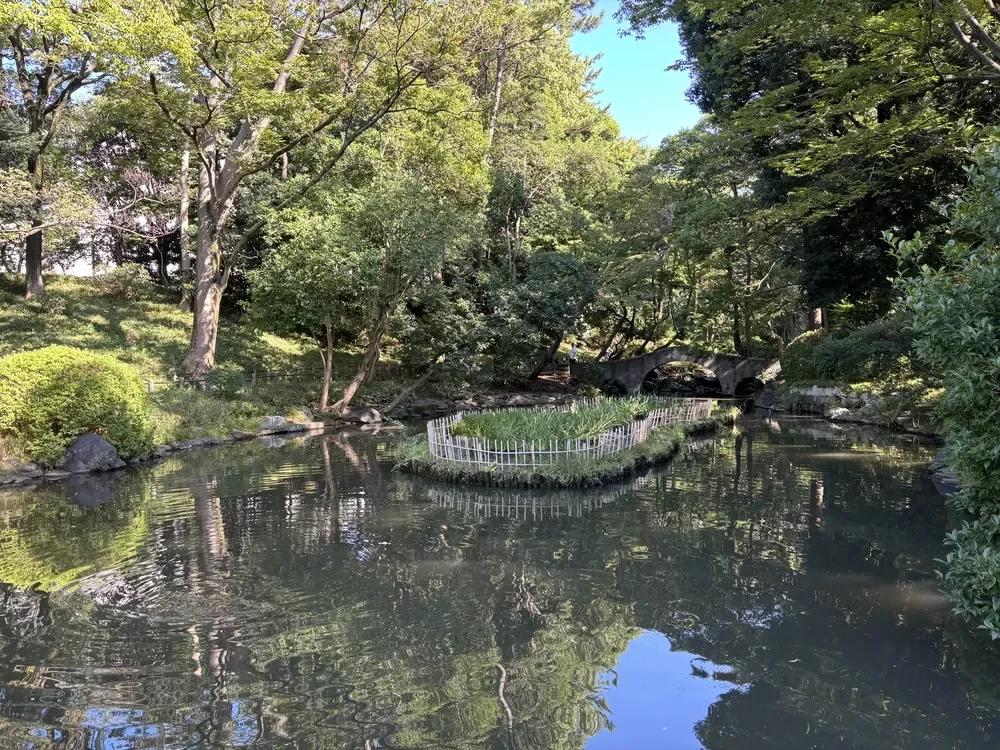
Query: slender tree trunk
{"type": "Point", "coordinates": [368, 362]}
{"type": "Point", "coordinates": [629, 335]}
{"type": "Point", "coordinates": [284, 166]}
{"type": "Point", "coordinates": [33, 243]}
{"type": "Point", "coordinates": [412, 386]}
{"type": "Point", "coordinates": [546, 356]}
{"type": "Point", "coordinates": [324, 395]}
{"type": "Point", "coordinates": [737, 338]}
{"type": "Point", "coordinates": [182, 228]}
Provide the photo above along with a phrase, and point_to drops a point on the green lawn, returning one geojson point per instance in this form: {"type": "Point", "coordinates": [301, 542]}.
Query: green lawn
{"type": "Point", "coordinates": [151, 335]}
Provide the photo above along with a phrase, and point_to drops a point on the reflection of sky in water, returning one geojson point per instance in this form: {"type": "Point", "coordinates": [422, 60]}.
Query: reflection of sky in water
{"type": "Point", "coordinates": [654, 697]}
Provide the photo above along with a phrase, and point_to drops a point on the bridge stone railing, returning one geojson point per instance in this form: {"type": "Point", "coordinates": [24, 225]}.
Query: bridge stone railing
{"type": "Point", "coordinates": [523, 454]}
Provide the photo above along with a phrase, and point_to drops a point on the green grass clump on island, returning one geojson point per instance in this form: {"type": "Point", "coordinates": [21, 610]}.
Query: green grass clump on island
{"type": "Point", "coordinates": [547, 425]}
{"type": "Point", "coordinates": [413, 455]}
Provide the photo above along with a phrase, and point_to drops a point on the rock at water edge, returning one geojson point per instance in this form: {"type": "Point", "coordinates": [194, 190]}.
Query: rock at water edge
{"type": "Point", "coordinates": [361, 415]}
{"type": "Point", "coordinates": [273, 423]}
{"type": "Point", "coordinates": [91, 452]}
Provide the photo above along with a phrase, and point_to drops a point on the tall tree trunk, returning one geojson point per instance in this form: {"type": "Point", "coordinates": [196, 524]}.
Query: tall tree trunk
{"type": "Point", "coordinates": [817, 318]}
{"type": "Point", "coordinates": [324, 395]}
{"type": "Point", "coordinates": [368, 362]}
{"type": "Point", "coordinates": [738, 344]}
{"type": "Point", "coordinates": [182, 228]}
{"type": "Point", "coordinates": [546, 356]}
{"type": "Point", "coordinates": [200, 357]}
{"type": "Point", "coordinates": [33, 243]}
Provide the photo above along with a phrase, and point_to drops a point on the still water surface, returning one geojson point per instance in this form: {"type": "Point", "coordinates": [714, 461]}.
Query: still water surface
{"type": "Point", "coordinates": [770, 589]}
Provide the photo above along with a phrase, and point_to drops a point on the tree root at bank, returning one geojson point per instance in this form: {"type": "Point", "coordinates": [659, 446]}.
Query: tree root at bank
{"type": "Point", "coordinates": [416, 459]}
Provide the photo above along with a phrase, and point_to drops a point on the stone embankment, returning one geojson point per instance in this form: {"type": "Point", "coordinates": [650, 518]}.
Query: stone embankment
{"type": "Point", "coordinates": [838, 405]}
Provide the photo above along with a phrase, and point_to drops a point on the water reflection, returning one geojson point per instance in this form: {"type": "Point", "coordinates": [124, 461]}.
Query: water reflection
{"type": "Point", "coordinates": [770, 588]}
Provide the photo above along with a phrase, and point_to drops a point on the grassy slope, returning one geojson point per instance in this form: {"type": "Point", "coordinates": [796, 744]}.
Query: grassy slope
{"type": "Point", "coordinates": [151, 335]}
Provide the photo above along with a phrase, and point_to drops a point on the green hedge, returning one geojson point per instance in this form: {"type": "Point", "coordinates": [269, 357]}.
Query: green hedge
{"type": "Point", "coordinates": [50, 396]}
{"type": "Point", "coordinates": [797, 362]}
{"type": "Point", "coordinates": [861, 355]}
{"type": "Point", "coordinates": [864, 354]}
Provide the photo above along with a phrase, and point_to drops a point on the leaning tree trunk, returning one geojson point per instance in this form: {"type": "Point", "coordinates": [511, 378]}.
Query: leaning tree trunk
{"type": "Point", "coordinates": [368, 363]}
{"type": "Point", "coordinates": [611, 338]}
{"type": "Point", "coordinates": [324, 395]}
{"type": "Point", "coordinates": [412, 386]}
{"type": "Point", "coordinates": [33, 242]}
{"type": "Point", "coordinates": [546, 357]}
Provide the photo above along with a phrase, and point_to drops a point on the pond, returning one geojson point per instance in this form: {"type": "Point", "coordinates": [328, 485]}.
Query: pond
{"type": "Point", "coordinates": [772, 587]}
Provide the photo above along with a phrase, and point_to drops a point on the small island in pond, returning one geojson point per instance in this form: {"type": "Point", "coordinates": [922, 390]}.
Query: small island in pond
{"type": "Point", "coordinates": [587, 443]}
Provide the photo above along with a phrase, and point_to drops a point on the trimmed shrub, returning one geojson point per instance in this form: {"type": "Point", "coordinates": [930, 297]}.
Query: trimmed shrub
{"type": "Point", "coordinates": [797, 362]}
{"type": "Point", "coordinates": [129, 281]}
{"type": "Point", "coordinates": [864, 354]}
{"type": "Point", "coordinates": [50, 396]}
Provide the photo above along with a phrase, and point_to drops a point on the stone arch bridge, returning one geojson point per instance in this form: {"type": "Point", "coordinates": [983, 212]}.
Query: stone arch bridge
{"type": "Point", "coordinates": [730, 369]}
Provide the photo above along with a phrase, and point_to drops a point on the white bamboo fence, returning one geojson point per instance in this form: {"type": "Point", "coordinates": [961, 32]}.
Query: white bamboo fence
{"type": "Point", "coordinates": [522, 454]}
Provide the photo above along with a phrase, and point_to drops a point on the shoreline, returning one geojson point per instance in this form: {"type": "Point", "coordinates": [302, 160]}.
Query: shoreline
{"type": "Point", "coordinates": [27, 475]}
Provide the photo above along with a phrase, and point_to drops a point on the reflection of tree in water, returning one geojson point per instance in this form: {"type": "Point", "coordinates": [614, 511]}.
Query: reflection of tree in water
{"type": "Point", "coordinates": [308, 595]}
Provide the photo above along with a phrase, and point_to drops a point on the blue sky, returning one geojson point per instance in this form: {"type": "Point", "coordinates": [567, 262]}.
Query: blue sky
{"type": "Point", "coordinates": [646, 100]}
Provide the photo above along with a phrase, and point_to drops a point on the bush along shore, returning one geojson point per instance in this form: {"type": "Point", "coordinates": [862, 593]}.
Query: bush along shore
{"type": "Point", "coordinates": [414, 456]}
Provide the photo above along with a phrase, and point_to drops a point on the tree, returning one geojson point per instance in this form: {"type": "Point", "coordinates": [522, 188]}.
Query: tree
{"type": "Point", "coordinates": [859, 113]}
{"type": "Point", "coordinates": [406, 233]}
{"type": "Point", "coordinates": [553, 297]}
{"type": "Point", "coordinates": [311, 283]}
{"type": "Point", "coordinates": [49, 53]}
{"type": "Point", "coordinates": [954, 308]}
{"type": "Point", "coordinates": [691, 252]}
{"type": "Point", "coordinates": [442, 334]}
{"type": "Point", "coordinates": [252, 83]}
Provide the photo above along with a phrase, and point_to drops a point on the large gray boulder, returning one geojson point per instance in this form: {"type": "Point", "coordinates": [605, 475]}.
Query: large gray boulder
{"type": "Point", "coordinates": [361, 415]}
{"type": "Point", "coordinates": [273, 423]}
{"type": "Point", "coordinates": [945, 480]}
{"type": "Point", "coordinates": [840, 414]}
{"type": "Point", "coordinates": [91, 452]}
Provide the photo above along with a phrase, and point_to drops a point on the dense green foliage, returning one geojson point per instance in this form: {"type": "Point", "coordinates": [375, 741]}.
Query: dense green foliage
{"type": "Point", "coordinates": [855, 355]}
{"type": "Point", "coordinates": [864, 354]}
{"type": "Point", "coordinates": [855, 115]}
{"type": "Point", "coordinates": [50, 396]}
{"type": "Point", "coordinates": [797, 365]}
{"type": "Point", "coordinates": [955, 316]}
